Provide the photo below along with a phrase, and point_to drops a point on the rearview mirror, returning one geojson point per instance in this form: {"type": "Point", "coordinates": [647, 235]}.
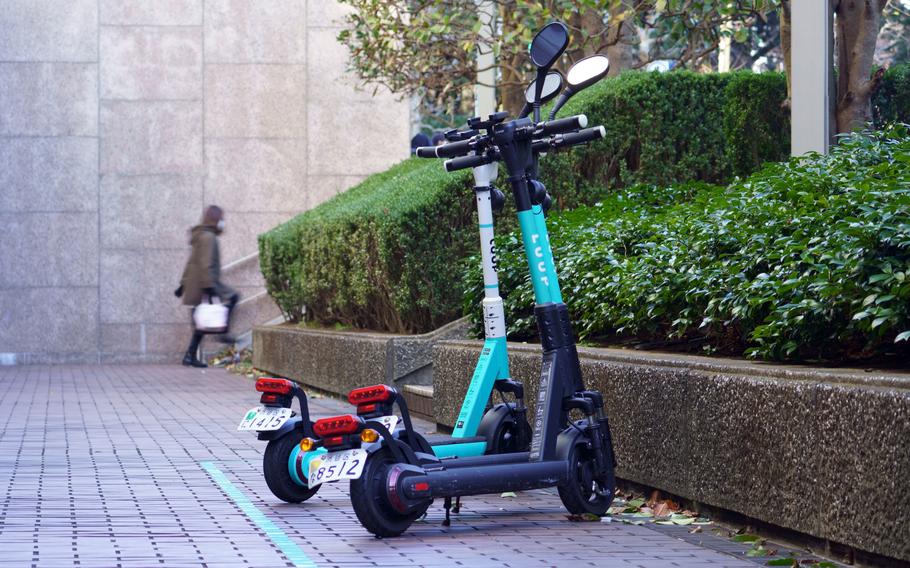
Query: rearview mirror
{"type": "Point", "coordinates": [545, 49]}
{"type": "Point", "coordinates": [582, 75]}
{"type": "Point", "coordinates": [548, 44]}
{"type": "Point", "coordinates": [552, 84]}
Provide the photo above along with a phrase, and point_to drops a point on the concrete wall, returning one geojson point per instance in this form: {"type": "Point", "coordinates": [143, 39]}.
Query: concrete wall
{"type": "Point", "coordinates": [121, 119]}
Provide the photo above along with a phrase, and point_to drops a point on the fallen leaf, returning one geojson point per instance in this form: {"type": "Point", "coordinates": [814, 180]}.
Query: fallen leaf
{"type": "Point", "coordinates": [635, 504]}
{"type": "Point", "coordinates": [695, 530]}
{"type": "Point", "coordinates": [509, 494]}
{"type": "Point", "coordinates": [782, 562]}
{"type": "Point", "coordinates": [655, 498]}
{"type": "Point", "coordinates": [661, 510]}
{"type": "Point", "coordinates": [686, 521]}
{"type": "Point", "coordinates": [746, 538]}
{"type": "Point", "coordinates": [757, 551]}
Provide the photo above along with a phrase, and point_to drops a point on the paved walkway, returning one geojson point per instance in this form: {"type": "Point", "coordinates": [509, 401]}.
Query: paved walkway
{"type": "Point", "coordinates": [140, 466]}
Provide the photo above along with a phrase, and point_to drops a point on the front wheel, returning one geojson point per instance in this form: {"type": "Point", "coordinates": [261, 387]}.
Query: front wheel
{"type": "Point", "coordinates": [583, 492]}
{"type": "Point", "coordinates": [513, 434]}
{"type": "Point", "coordinates": [276, 469]}
{"type": "Point", "coordinates": [372, 507]}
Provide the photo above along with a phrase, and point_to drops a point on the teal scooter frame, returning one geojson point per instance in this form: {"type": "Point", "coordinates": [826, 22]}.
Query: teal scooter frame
{"type": "Point", "coordinates": [478, 431]}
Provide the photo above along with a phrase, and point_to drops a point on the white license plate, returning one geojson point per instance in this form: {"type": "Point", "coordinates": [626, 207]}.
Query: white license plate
{"type": "Point", "coordinates": [388, 421]}
{"type": "Point", "coordinates": [335, 466]}
{"type": "Point", "coordinates": [264, 418]}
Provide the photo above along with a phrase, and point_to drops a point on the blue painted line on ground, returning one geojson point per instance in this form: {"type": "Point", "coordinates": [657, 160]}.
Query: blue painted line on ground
{"type": "Point", "coordinates": [284, 543]}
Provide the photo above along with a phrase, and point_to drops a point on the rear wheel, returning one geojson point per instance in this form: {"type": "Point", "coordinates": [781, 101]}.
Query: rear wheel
{"type": "Point", "coordinates": [372, 507]}
{"type": "Point", "coordinates": [277, 475]}
{"type": "Point", "coordinates": [584, 492]}
{"type": "Point", "coordinates": [511, 435]}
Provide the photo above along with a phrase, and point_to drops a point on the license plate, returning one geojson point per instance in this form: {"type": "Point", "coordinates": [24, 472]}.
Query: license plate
{"type": "Point", "coordinates": [388, 421]}
{"type": "Point", "coordinates": [335, 466]}
{"type": "Point", "coordinates": [264, 418]}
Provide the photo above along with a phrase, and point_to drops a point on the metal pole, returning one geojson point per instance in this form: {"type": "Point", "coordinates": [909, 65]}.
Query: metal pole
{"type": "Point", "coordinates": [811, 63]}
{"type": "Point", "coordinates": [485, 88]}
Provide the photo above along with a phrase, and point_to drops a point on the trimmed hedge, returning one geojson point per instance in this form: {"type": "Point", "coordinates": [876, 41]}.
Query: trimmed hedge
{"type": "Point", "coordinates": [386, 254]}
{"type": "Point", "coordinates": [891, 102]}
{"type": "Point", "coordinates": [807, 259]}
{"type": "Point", "coordinates": [665, 128]}
{"type": "Point", "coordinates": [382, 255]}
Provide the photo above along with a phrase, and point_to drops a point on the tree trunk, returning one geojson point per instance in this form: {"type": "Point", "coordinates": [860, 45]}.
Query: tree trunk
{"type": "Point", "coordinates": [785, 44]}
{"type": "Point", "coordinates": [621, 38]}
{"type": "Point", "coordinates": [511, 86]}
{"type": "Point", "coordinates": [857, 25]}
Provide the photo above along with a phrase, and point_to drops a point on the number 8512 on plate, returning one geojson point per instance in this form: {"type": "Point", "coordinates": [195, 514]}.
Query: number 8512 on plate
{"type": "Point", "coordinates": [335, 466]}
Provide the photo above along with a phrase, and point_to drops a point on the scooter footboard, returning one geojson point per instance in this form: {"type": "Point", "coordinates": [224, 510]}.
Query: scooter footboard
{"type": "Point", "coordinates": [482, 480]}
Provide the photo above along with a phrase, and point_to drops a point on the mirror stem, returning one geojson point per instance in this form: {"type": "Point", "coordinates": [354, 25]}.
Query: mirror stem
{"type": "Point", "coordinates": [559, 102]}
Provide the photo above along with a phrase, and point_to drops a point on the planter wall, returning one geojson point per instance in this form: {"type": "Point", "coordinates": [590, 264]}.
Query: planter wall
{"type": "Point", "coordinates": [823, 452]}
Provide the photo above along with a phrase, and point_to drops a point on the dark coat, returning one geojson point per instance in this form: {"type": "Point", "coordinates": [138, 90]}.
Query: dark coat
{"type": "Point", "coordinates": [203, 269]}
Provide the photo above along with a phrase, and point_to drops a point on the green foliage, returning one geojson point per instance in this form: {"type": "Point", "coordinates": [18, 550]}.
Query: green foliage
{"type": "Point", "coordinates": [756, 126]}
{"type": "Point", "coordinates": [664, 128]}
{"type": "Point", "coordinates": [386, 254]}
{"type": "Point", "coordinates": [377, 256]}
{"type": "Point", "coordinates": [806, 259]}
{"type": "Point", "coordinates": [891, 102]}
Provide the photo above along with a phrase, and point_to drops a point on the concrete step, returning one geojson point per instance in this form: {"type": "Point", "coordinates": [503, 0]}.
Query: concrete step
{"type": "Point", "coordinates": [419, 399]}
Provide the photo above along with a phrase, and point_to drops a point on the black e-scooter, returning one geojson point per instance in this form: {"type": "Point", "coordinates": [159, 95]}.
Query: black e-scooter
{"type": "Point", "coordinates": [398, 483]}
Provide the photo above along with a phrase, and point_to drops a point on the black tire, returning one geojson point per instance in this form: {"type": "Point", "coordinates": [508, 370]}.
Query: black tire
{"type": "Point", "coordinates": [275, 468]}
{"type": "Point", "coordinates": [511, 436]}
{"type": "Point", "coordinates": [368, 497]}
{"type": "Point", "coordinates": [583, 493]}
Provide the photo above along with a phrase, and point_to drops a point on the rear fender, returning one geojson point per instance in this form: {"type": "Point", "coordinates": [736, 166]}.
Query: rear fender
{"type": "Point", "coordinates": [293, 423]}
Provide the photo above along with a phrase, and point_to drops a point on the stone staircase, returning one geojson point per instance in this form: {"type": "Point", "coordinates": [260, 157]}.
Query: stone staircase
{"type": "Point", "coordinates": [256, 307]}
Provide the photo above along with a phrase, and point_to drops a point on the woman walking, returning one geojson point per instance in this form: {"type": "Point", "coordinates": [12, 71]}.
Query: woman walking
{"type": "Point", "coordinates": [201, 278]}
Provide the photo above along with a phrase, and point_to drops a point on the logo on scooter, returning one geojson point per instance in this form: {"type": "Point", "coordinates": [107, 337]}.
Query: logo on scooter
{"type": "Point", "coordinates": [541, 265]}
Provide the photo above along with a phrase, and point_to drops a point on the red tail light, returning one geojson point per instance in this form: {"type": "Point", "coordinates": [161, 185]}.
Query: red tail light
{"type": "Point", "coordinates": [277, 386]}
{"type": "Point", "coordinates": [333, 441]}
{"type": "Point", "coordinates": [366, 408]}
{"type": "Point", "coordinates": [375, 393]}
{"type": "Point", "coordinates": [347, 424]}
{"type": "Point", "coordinates": [269, 398]}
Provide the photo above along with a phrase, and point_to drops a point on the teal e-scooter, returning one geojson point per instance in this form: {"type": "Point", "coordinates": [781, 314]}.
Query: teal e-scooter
{"type": "Point", "coordinates": [288, 464]}
{"type": "Point", "coordinates": [397, 483]}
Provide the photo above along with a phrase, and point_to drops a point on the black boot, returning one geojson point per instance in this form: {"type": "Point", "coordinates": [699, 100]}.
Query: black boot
{"type": "Point", "coordinates": [190, 360]}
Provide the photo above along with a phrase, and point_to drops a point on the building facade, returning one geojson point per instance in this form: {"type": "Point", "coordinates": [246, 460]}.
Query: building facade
{"type": "Point", "coordinates": [121, 119]}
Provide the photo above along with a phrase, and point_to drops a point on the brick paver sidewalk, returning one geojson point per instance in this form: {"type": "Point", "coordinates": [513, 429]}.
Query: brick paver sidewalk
{"type": "Point", "coordinates": [105, 466]}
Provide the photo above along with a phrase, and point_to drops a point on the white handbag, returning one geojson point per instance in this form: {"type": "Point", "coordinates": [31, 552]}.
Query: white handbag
{"type": "Point", "coordinates": [211, 317]}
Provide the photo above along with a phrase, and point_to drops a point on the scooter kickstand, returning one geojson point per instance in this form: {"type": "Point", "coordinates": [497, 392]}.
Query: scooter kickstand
{"type": "Point", "coordinates": [447, 505]}
{"type": "Point", "coordinates": [457, 508]}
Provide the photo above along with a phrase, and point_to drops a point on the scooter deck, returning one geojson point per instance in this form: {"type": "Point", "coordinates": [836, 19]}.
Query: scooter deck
{"type": "Point", "coordinates": [445, 440]}
{"type": "Point", "coordinates": [447, 446]}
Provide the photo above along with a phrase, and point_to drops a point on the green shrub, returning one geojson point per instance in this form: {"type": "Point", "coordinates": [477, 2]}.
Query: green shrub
{"type": "Point", "coordinates": [665, 128]}
{"type": "Point", "coordinates": [382, 255]}
{"type": "Point", "coordinates": [891, 102]}
{"type": "Point", "coordinates": [386, 254]}
{"type": "Point", "coordinates": [807, 259]}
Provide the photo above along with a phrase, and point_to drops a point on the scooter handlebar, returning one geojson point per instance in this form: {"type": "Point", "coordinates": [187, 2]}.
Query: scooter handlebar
{"type": "Point", "coordinates": [564, 125]}
{"type": "Point", "coordinates": [450, 150]}
{"type": "Point", "coordinates": [464, 162]}
{"type": "Point", "coordinates": [582, 136]}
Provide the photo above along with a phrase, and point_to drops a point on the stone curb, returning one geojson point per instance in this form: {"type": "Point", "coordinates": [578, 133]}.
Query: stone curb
{"type": "Point", "coordinates": [823, 452]}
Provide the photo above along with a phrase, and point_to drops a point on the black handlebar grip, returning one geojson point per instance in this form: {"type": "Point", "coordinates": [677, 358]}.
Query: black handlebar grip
{"type": "Point", "coordinates": [466, 162]}
{"type": "Point", "coordinates": [563, 125]}
{"type": "Point", "coordinates": [582, 136]}
{"type": "Point", "coordinates": [426, 151]}
{"type": "Point", "coordinates": [453, 149]}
